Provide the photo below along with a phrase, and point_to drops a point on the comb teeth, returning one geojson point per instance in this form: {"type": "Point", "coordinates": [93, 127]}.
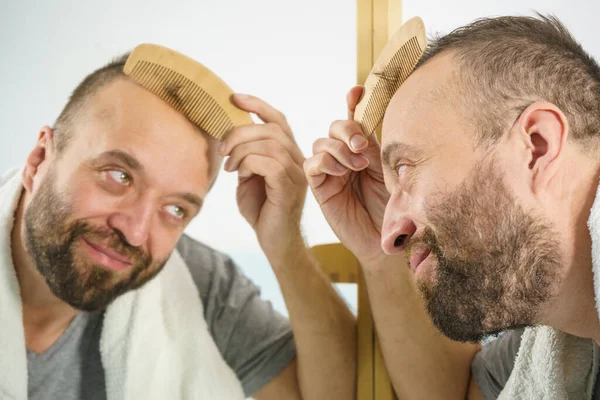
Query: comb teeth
{"type": "Point", "coordinates": [390, 80]}
{"type": "Point", "coordinates": [183, 95]}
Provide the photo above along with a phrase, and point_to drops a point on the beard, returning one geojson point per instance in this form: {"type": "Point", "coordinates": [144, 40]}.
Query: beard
{"type": "Point", "coordinates": [52, 239]}
{"type": "Point", "coordinates": [495, 266]}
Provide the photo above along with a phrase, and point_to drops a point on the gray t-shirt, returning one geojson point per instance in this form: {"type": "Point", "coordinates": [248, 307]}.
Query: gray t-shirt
{"type": "Point", "coordinates": [493, 365]}
{"type": "Point", "coordinates": [255, 341]}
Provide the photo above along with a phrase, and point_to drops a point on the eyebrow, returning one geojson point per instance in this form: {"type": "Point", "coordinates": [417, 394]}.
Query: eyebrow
{"type": "Point", "coordinates": [133, 164]}
{"type": "Point", "coordinates": [126, 158]}
{"type": "Point", "coordinates": [191, 198]}
{"type": "Point", "coordinates": [399, 150]}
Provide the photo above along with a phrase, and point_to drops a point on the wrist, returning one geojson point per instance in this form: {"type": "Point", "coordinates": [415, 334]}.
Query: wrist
{"type": "Point", "coordinates": [291, 251]}
{"type": "Point", "coordinates": [380, 262]}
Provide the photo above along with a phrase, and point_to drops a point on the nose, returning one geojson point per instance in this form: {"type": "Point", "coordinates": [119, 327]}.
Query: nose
{"type": "Point", "coordinates": [397, 230]}
{"type": "Point", "coordinates": [134, 223]}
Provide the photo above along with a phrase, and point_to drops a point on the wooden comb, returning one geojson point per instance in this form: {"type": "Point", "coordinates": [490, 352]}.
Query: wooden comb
{"type": "Point", "coordinates": [188, 86]}
{"type": "Point", "coordinates": [393, 66]}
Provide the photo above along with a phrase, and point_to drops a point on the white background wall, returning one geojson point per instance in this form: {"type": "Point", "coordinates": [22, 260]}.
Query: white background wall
{"type": "Point", "coordinates": [580, 16]}
{"type": "Point", "coordinates": [298, 55]}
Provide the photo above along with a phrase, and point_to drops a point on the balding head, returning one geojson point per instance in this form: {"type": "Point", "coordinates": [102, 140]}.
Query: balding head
{"type": "Point", "coordinates": [505, 64]}
{"type": "Point", "coordinates": [81, 102]}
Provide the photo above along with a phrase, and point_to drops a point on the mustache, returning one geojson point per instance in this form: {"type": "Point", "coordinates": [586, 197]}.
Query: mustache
{"type": "Point", "coordinates": [112, 239]}
{"type": "Point", "coordinates": [445, 245]}
{"type": "Point", "coordinates": [426, 239]}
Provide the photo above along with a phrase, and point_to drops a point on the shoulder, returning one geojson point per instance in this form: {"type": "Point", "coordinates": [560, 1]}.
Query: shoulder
{"type": "Point", "coordinates": [214, 273]}
{"type": "Point", "coordinates": [493, 365]}
{"type": "Point", "coordinates": [198, 255]}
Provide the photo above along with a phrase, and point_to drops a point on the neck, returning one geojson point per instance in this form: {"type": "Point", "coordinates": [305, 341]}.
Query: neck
{"type": "Point", "coordinates": [573, 309]}
{"type": "Point", "coordinates": [45, 316]}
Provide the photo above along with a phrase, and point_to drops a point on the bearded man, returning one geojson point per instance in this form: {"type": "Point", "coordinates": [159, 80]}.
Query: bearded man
{"type": "Point", "coordinates": [485, 186]}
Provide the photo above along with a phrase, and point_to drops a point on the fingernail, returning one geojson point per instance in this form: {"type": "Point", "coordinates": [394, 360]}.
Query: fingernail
{"type": "Point", "coordinates": [241, 96]}
{"type": "Point", "coordinates": [358, 161]}
{"type": "Point", "coordinates": [339, 167]}
{"type": "Point", "coordinates": [358, 142]}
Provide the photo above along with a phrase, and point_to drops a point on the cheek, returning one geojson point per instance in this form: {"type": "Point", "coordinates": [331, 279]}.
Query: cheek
{"type": "Point", "coordinates": [88, 199]}
{"type": "Point", "coordinates": [425, 191]}
{"type": "Point", "coordinates": [436, 183]}
{"type": "Point", "coordinates": [441, 178]}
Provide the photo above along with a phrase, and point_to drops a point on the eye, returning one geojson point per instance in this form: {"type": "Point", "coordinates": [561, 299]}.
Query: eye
{"type": "Point", "coordinates": [176, 211]}
{"type": "Point", "coordinates": [120, 177]}
{"type": "Point", "coordinates": [400, 169]}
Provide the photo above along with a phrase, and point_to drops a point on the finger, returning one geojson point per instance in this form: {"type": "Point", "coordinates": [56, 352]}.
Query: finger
{"type": "Point", "coordinates": [341, 153]}
{"type": "Point", "coordinates": [319, 166]}
{"type": "Point", "coordinates": [276, 176]}
{"type": "Point", "coordinates": [256, 132]}
{"type": "Point", "coordinates": [267, 148]}
{"type": "Point", "coordinates": [350, 133]}
{"type": "Point", "coordinates": [352, 99]}
{"type": "Point", "coordinates": [314, 174]}
{"type": "Point", "coordinates": [265, 111]}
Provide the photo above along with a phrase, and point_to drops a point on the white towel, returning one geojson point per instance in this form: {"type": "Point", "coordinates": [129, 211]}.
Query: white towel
{"type": "Point", "coordinates": [155, 343]}
{"type": "Point", "coordinates": [554, 365]}
{"type": "Point", "coordinates": [13, 355]}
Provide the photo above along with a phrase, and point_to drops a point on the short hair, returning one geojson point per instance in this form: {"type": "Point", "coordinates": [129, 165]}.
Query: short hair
{"type": "Point", "coordinates": [507, 63]}
{"type": "Point", "coordinates": [90, 85]}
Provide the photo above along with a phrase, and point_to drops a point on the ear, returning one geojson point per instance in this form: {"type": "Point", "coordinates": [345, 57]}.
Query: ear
{"type": "Point", "coordinates": [544, 130]}
{"type": "Point", "coordinates": [41, 155]}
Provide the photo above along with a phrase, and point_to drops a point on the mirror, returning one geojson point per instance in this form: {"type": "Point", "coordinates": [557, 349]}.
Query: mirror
{"type": "Point", "coordinates": [300, 57]}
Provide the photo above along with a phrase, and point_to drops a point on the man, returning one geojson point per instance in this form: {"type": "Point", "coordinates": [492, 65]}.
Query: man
{"type": "Point", "coordinates": [483, 186]}
{"type": "Point", "coordinates": [104, 297]}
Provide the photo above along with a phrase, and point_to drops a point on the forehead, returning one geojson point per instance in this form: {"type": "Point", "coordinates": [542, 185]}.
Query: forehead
{"type": "Point", "coordinates": [425, 111]}
{"type": "Point", "coordinates": [124, 116]}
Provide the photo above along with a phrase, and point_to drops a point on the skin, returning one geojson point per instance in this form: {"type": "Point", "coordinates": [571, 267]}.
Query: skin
{"type": "Point", "coordinates": [428, 154]}
{"type": "Point", "coordinates": [148, 192]}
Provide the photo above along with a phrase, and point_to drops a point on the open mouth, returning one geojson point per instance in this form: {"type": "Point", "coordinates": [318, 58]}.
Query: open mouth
{"type": "Point", "coordinates": [106, 257]}
{"type": "Point", "coordinates": [418, 257]}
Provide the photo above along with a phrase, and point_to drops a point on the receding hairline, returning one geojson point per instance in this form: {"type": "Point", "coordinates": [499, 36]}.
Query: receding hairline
{"type": "Point", "coordinates": [508, 63]}
{"type": "Point", "coordinates": [92, 86]}
{"type": "Point", "coordinates": [428, 87]}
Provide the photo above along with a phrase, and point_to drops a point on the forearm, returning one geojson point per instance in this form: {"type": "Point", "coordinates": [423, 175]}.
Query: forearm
{"type": "Point", "coordinates": [422, 363]}
{"type": "Point", "coordinates": [324, 328]}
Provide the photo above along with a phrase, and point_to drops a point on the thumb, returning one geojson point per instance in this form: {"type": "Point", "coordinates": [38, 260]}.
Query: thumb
{"type": "Point", "coordinates": [352, 99]}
